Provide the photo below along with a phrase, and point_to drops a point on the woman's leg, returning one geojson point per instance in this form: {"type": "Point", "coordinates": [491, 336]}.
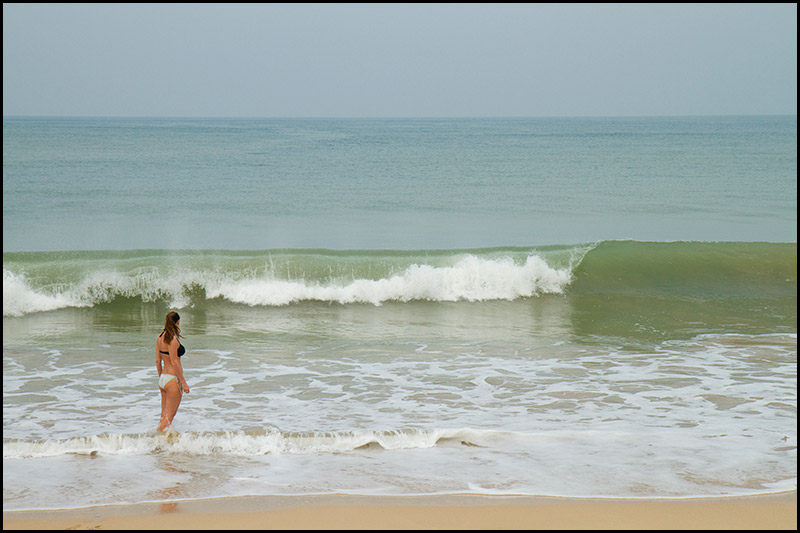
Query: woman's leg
{"type": "Point", "coordinates": [172, 401]}
{"type": "Point", "coordinates": [163, 404]}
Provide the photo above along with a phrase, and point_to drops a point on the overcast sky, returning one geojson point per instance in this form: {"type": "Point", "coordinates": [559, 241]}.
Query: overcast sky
{"type": "Point", "coordinates": [399, 60]}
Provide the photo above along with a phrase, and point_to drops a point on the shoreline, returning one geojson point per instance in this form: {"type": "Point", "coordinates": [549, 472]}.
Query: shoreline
{"type": "Point", "coordinates": [451, 511]}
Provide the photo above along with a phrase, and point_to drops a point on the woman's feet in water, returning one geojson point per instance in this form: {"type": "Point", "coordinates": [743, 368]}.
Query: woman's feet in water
{"type": "Point", "coordinates": [164, 424]}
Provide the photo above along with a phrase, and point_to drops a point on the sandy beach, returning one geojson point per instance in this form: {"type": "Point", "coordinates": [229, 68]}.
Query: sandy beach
{"type": "Point", "coordinates": [776, 511]}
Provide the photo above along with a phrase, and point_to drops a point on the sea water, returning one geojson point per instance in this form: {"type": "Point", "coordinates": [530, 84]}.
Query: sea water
{"type": "Point", "coordinates": [565, 307]}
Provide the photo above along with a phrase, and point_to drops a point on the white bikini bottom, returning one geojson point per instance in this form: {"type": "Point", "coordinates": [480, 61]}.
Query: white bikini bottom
{"type": "Point", "coordinates": [163, 379]}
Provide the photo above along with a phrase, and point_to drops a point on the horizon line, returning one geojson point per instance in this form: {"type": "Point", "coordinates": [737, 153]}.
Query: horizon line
{"type": "Point", "coordinates": [389, 117]}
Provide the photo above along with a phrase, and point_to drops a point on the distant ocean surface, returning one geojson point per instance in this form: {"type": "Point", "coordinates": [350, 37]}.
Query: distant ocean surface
{"type": "Point", "coordinates": [600, 307]}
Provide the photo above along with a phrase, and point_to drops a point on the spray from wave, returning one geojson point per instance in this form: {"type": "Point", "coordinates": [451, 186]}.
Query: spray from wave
{"type": "Point", "coordinates": [470, 279]}
{"type": "Point", "coordinates": [285, 279]}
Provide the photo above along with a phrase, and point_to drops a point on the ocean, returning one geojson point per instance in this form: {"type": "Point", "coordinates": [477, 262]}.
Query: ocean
{"type": "Point", "coordinates": [577, 307]}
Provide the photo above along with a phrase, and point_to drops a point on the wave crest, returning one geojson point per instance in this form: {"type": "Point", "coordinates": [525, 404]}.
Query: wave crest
{"type": "Point", "coordinates": [283, 280]}
{"type": "Point", "coordinates": [470, 279]}
{"type": "Point", "coordinates": [242, 443]}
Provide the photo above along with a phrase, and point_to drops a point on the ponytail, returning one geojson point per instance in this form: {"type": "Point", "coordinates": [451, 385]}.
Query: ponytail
{"type": "Point", "coordinates": [171, 329]}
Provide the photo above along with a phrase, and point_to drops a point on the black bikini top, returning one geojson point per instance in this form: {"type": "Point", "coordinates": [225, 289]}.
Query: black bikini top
{"type": "Point", "coordinates": [181, 349]}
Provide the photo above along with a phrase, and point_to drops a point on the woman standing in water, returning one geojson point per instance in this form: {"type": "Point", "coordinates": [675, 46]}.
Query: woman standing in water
{"type": "Point", "coordinates": [170, 372]}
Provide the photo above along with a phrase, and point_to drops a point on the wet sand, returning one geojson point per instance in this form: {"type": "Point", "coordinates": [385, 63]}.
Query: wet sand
{"type": "Point", "coordinates": [775, 511]}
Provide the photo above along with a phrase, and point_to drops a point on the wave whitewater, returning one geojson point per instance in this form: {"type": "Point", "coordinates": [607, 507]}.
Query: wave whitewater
{"type": "Point", "coordinates": [45, 281]}
{"type": "Point", "coordinates": [245, 443]}
{"type": "Point", "coordinates": [34, 282]}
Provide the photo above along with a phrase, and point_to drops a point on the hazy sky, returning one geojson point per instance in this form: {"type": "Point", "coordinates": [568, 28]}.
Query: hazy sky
{"type": "Point", "coordinates": [399, 60]}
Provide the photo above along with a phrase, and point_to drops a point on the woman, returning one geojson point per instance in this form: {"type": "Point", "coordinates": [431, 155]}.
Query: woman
{"type": "Point", "coordinates": [170, 372]}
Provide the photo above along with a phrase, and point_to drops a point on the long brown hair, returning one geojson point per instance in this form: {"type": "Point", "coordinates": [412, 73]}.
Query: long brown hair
{"type": "Point", "coordinates": [171, 328]}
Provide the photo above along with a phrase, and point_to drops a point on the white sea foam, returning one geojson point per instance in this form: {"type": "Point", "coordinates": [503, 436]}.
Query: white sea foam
{"type": "Point", "coordinates": [19, 298]}
{"type": "Point", "coordinates": [712, 415]}
{"type": "Point", "coordinates": [470, 278]}
{"type": "Point", "coordinates": [243, 443]}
